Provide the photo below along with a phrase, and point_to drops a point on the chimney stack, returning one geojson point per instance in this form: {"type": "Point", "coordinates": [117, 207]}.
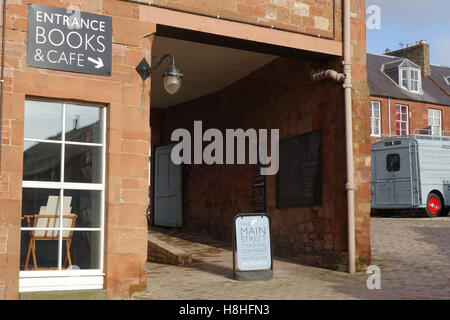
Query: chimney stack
{"type": "Point", "coordinates": [419, 54]}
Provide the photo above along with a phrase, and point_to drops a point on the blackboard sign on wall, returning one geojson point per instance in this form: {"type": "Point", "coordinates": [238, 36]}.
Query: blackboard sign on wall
{"type": "Point", "coordinates": [299, 178]}
{"type": "Point", "coordinates": [259, 190]}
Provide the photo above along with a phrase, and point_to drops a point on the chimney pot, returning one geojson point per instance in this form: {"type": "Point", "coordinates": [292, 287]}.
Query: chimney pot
{"type": "Point", "coordinates": [387, 50]}
{"type": "Point", "coordinates": [409, 45]}
{"type": "Point", "coordinates": [423, 41]}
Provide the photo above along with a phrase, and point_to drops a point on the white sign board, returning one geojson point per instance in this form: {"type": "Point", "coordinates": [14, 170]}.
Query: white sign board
{"type": "Point", "coordinates": [253, 243]}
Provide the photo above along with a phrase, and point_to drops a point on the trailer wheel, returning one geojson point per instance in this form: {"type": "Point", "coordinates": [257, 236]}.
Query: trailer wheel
{"type": "Point", "coordinates": [434, 205]}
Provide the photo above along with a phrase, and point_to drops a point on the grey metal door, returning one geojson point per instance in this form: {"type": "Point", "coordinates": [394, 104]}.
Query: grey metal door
{"type": "Point", "coordinates": [168, 209]}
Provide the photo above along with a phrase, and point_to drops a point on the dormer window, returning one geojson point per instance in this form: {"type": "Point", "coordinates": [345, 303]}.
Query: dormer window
{"type": "Point", "coordinates": [406, 74]}
{"type": "Point", "coordinates": [410, 79]}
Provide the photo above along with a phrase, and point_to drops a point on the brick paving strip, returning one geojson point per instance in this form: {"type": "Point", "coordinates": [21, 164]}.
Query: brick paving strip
{"type": "Point", "coordinates": [413, 254]}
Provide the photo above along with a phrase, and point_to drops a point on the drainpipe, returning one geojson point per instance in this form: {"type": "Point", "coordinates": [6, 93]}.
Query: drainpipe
{"type": "Point", "coordinates": [350, 186]}
{"type": "Point", "coordinates": [389, 115]}
{"type": "Point", "coordinates": [346, 77]}
{"type": "Point", "coordinates": [2, 74]}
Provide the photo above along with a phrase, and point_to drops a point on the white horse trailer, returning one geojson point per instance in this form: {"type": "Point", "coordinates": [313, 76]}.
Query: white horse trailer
{"type": "Point", "coordinates": [410, 172]}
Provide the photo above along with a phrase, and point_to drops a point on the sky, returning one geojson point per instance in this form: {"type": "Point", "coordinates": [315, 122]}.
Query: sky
{"type": "Point", "coordinates": [408, 21]}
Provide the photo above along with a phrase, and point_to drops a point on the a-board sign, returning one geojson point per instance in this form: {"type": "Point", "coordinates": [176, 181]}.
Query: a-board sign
{"type": "Point", "coordinates": [69, 40]}
{"type": "Point", "coordinates": [252, 252]}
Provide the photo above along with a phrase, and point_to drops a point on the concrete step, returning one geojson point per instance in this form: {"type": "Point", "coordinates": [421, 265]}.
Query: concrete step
{"type": "Point", "coordinates": [161, 252]}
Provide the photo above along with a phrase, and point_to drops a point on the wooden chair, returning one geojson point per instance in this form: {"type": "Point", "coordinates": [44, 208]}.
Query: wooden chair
{"type": "Point", "coordinates": [50, 221]}
{"type": "Point", "coordinates": [48, 217]}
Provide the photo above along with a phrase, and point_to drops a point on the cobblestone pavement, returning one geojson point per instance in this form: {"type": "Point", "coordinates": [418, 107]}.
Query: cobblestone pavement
{"type": "Point", "coordinates": [413, 254]}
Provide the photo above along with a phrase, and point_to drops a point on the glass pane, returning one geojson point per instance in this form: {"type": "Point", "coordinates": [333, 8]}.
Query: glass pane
{"type": "Point", "coordinates": [437, 113]}
{"type": "Point", "coordinates": [404, 73]}
{"type": "Point", "coordinates": [86, 205]}
{"type": "Point", "coordinates": [38, 201]}
{"type": "Point", "coordinates": [43, 120]}
{"type": "Point", "coordinates": [83, 124]}
{"type": "Point", "coordinates": [84, 249]}
{"type": "Point", "coordinates": [373, 126]}
{"type": "Point", "coordinates": [430, 112]}
{"type": "Point", "coordinates": [376, 110]}
{"type": "Point", "coordinates": [437, 121]}
{"type": "Point", "coordinates": [38, 252]}
{"type": "Point", "coordinates": [41, 161]}
{"type": "Point", "coordinates": [405, 83]}
{"type": "Point", "coordinates": [404, 113]}
{"type": "Point", "coordinates": [436, 130]}
{"type": "Point", "coordinates": [397, 114]}
{"type": "Point", "coordinates": [393, 162]}
{"type": "Point", "coordinates": [83, 164]}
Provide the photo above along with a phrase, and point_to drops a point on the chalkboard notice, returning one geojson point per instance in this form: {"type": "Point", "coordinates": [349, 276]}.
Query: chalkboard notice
{"type": "Point", "coordinates": [259, 190]}
{"type": "Point", "coordinates": [299, 178]}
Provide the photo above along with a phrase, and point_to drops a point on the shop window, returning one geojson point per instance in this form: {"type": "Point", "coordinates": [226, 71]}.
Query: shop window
{"type": "Point", "coordinates": [393, 162]}
{"type": "Point", "coordinates": [63, 188]}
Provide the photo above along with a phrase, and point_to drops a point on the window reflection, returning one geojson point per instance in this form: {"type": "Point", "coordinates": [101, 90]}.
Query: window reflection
{"type": "Point", "coordinates": [41, 161]}
{"type": "Point", "coordinates": [83, 124]}
{"type": "Point", "coordinates": [43, 120]}
{"type": "Point", "coordinates": [85, 250]}
{"type": "Point", "coordinates": [86, 204]}
{"type": "Point", "coordinates": [82, 164]}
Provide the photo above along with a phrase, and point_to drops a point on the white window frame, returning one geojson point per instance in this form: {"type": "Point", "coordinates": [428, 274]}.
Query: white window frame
{"type": "Point", "coordinates": [433, 117]}
{"type": "Point", "coordinates": [376, 118]}
{"type": "Point", "coordinates": [409, 79]}
{"type": "Point", "coordinates": [447, 79]}
{"type": "Point", "coordinates": [60, 280]}
{"type": "Point", "coordinates": [402, 121]}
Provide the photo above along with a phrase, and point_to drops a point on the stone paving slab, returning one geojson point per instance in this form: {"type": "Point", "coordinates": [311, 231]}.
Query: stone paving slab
{"type": "Point", "coordinates": [413, 254]}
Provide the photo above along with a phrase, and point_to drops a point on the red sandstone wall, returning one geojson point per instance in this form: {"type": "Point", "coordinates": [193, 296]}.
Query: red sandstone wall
{"type": "Point", "coordinates": [126, 98]}
{"type": "Point", "coordinates": [361, 132]}
{"type": "Point", "coordinates": [308, 16]}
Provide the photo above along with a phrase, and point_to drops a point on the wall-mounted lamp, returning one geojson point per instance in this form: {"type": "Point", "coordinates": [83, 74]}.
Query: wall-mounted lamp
{"type": "Point", "coordinates": [172, 77]}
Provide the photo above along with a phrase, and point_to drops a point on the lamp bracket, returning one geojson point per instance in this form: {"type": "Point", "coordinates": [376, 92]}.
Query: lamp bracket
{"type": "Point", "coordinates": [145, 70]}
